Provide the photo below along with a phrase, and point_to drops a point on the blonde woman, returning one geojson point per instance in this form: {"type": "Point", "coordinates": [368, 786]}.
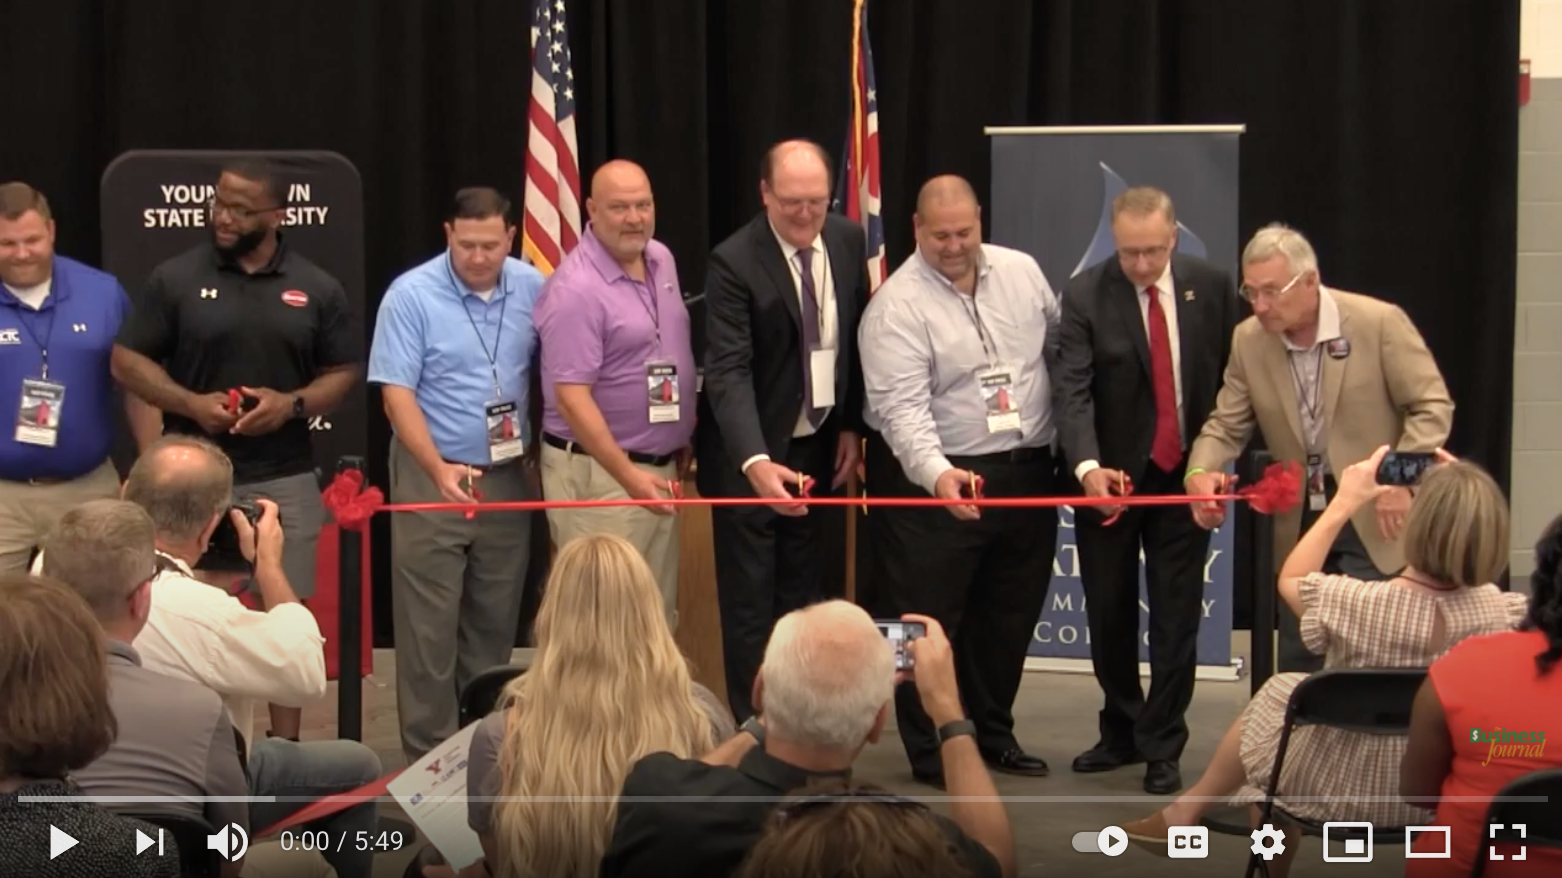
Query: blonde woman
{"type": "Point", "coordinates": [606, 686]}
{"type": "Point", "coordinates": [1456, 544]}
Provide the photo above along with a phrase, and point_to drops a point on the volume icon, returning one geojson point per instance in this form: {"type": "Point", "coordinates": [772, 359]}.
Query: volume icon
{"type": "Point", "coordinates": [230, 841]}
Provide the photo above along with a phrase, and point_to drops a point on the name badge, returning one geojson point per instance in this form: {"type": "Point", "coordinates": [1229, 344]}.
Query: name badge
{"type": "Point", "coordinates": [1003, 407]}
{"type": "Point", "coordinates": [504, 431]}
{"type": "Point", "coordinates": [821, 365]}
{"type": "Point", "coordinates": [661, 385]}
{"type": "Point", "coordinates": [38, 418]}
{"type": "Point", "coordinates": [1317, 497]}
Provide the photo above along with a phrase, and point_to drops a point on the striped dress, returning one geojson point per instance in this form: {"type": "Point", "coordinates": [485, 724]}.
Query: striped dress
{"type": "Point", "coordinates": [1333, 774]}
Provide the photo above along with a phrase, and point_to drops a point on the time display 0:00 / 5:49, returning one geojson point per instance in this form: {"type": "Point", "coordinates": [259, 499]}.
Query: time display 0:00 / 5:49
{"type": "Point", "coordinates": [320, 840]}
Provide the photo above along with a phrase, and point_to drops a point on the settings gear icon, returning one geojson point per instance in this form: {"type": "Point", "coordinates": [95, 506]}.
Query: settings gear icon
{"type": "Point", "coordinates": [1268, 842]}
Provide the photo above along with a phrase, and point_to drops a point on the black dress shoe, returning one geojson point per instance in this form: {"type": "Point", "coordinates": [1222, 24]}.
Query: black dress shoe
{"type": "Point", "coordinates": [1100, 758]}
{"type": "Point", "coordinates": [1016, 761]}
{"type": "Point", "coordinates": [1162, 778]}
{"type": "Point", "coordinates": [934, 779]}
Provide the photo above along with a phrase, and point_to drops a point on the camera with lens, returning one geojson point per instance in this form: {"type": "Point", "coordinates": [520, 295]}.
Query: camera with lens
{"type": "Point", "coordinates": [223, 555]}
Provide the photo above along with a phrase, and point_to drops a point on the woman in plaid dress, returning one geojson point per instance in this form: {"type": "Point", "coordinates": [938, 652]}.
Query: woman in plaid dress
{"type": "Point", "coordinates": [1456, 544]}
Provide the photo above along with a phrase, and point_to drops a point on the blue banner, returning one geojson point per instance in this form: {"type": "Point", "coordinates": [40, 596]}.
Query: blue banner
{"type": "Point", "coordinates": [1052, 191]}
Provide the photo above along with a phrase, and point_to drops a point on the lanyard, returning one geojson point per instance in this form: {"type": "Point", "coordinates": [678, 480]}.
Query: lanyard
{"type": "Point", "coordinates": [974, 312]}
{"type": "Point", "coordinates": [1310, 401]}
{"type": "Point", "coordinates": [43, 346]}
{"type": "Point", "coordinates": [654, 308]}
{"type": "Point", "coordinates": [493, 358]}
{"type": "Point", "coordinates": [796, 270]}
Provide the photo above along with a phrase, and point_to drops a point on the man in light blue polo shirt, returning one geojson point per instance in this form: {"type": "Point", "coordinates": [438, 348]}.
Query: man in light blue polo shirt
{"type": "Point", "coordinates": [453, 352]}
{"type": "Point", "coordinates": [58, 320]}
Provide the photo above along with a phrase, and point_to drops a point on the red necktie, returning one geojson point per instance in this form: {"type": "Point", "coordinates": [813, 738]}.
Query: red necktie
{"type": "Point", "coordinates": [1166, 451]}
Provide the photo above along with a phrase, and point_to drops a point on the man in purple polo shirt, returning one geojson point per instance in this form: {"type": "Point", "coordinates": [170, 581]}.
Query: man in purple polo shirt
{"type": "Point", "coordinates": [618, 381]}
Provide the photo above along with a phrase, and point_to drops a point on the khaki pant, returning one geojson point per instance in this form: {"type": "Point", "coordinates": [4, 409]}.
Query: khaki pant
{"type": "Point", "coordinates": [29, 510]}
{"type": "Point", "coordinates": [578, 476]}
{"type": "Point", "coordinates": [457, 586]}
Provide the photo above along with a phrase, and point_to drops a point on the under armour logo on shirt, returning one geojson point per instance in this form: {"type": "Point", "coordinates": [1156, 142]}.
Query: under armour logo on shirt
{"type": "Point", "coordinates": [78, 327]}
{"type": "Point", "coordinates": [208, 293]}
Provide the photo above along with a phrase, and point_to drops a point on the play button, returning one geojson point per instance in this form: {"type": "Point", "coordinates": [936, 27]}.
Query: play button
{"type": "Point", "coordinates": [1112, 841]}
{"type": "Point", "coordinates": [59, 842]}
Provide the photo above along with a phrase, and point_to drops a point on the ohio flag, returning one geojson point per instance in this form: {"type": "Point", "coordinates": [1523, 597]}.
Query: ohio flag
{"type": "Point", "coordinates": [859, 192]}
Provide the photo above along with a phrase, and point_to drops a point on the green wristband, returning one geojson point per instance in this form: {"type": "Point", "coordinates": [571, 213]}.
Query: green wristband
{"type": "Point", "coordinates": [1191, 473]}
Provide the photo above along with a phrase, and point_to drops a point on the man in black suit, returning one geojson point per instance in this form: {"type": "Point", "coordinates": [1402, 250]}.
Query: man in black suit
{"type": "Point", "coordinates": [1144, 343]}
{"type": "Point", "coordinates": [782, 399]}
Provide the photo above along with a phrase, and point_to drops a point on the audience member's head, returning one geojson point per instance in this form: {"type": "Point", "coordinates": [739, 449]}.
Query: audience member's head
{"type": "Point", "coordinates": [185, 483]}
{"type": "Point", "coordinates": [1545, 586]}
{"type": "Point", "coordinates": [1457, 530]}
{"type": "Point", "coordinates": [53, 682]}
{"type": "Point", "coordinates": [837, 831]}
{"type": "Point", "coordinates": [826, 681]}
{"type": "Point", "coordinates": [105, 551]}
{"type": "Point", "coordinates": [606, 686]}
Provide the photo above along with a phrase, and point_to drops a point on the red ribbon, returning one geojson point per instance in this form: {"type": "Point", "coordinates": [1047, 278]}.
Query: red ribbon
{"type": "Point", "coordinates": [323, 808]}
{"type": "Point", "coordinates": [352, 505]}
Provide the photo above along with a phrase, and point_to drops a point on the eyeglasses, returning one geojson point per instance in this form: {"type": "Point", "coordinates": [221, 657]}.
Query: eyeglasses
{"type": "Point", "coordinates": [1271, 293]}
{"type": "Point", "coordinates": [1137, 253]}
{"type": "Point", "coordinates": [242, 214]}
{"type": "Point", "coordinates": [794, 204]}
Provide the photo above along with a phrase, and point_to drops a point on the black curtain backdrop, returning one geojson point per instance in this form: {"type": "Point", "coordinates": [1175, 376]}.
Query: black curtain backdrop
{"type": "Point", "coordinates": [1387, 131]}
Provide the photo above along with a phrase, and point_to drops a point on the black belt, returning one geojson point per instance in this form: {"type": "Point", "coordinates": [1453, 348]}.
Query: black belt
{"type": "Point", "coordinates": [634, 456]}
{"type": "Point", "coordinates": [1014, 455]}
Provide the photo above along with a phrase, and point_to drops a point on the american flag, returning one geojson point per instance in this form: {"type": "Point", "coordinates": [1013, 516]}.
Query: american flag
{"type": "Point", "coordinates": [550, 224]}
{"type": "Point", "coordinates": [862, 150]}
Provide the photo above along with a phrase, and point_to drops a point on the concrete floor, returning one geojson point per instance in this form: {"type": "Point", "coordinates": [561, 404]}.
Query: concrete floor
{"type": "Point", "coordinates": [1055, 719]}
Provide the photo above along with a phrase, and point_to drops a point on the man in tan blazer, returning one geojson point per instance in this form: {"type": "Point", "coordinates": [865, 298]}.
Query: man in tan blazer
{"type": "Point", "coordinates": [1328, 377]}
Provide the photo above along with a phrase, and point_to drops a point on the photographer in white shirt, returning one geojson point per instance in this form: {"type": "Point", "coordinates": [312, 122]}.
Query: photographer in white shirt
{"type": "Point", "coordinates": [200, 632]}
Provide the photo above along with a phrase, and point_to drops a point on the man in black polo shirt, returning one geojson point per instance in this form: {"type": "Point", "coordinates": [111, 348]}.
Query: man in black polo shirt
{"type": "Point", "coordinates": [824, 692]}
{"type": "Point", "coordinates": [247, 314]}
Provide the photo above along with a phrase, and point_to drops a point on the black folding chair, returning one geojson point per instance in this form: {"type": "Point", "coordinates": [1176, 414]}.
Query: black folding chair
{"type": "Point", "coordinates": [188, 833]}
{"type": "Point", "coordinates": [1369, 701]}
{"type": "Point", "coordinates": [481, 696]}
{"type": "Point", "coordinates": [1528, 812]}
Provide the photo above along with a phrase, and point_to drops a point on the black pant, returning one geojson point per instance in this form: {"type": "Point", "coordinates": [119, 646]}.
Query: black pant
{"type": "Point", "coordinates": [1347, 556]}
{"type": "Point", "coordinates": [984, 581]}
{"type": "Point", "coordinates": [768, 565]}
{"type": "Point", "coordinates": [1175, 548]}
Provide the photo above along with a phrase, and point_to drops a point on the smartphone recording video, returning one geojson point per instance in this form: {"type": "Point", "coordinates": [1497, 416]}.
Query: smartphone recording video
{"type": "Point", "coordinates": [900, 633]}
{"type": "Point", "coordinates": [1404, 468]}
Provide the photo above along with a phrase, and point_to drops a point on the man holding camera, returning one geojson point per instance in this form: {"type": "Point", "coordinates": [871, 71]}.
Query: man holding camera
{"type": "Point", "coordinates": [244, 340]}
{"type": "Point", "coordinates": [195, 631]}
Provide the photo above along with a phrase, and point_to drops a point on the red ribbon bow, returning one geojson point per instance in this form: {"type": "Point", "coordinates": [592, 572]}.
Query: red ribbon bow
{"type": "Point", "coordinates": [1279, 491]}
{"type": "Point", "coordinates": [349, 503]}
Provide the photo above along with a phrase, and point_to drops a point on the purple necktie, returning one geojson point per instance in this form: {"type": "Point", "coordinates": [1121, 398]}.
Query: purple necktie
{"type": "Point", "coordinates": [810, 334]}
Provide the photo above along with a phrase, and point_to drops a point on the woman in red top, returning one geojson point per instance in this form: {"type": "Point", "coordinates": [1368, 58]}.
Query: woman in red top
{"type": "Point", "coordinates": [1506, 684]}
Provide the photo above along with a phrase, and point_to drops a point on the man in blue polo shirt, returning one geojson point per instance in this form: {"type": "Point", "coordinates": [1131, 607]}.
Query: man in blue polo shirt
{"type": "Point", "coordinates": [58, 320]}
{"type": "Point", "coordinates": [453, 354]}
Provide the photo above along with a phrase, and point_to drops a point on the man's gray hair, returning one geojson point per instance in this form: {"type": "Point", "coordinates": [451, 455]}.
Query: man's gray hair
{"type": "Point", "coordinates": [1282, 240]}
{"type": "Point", "coordinates": [104, 549]}
{"type": "Point", "coordinates": [827, 673]}
{"type": "Point", "coordinates": [180, 493]}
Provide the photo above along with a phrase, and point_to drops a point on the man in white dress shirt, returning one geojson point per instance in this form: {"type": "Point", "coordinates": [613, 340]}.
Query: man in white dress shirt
{"type": "Point", "coordinates": [955, 353]}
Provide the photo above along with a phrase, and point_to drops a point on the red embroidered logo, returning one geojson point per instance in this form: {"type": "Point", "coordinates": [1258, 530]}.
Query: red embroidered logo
{"type": "Point", "coordinates": [296, 298]}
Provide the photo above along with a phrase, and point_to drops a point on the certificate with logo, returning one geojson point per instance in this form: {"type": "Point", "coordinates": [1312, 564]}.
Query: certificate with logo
{"type": "Point", "coordinates": [433, 793]}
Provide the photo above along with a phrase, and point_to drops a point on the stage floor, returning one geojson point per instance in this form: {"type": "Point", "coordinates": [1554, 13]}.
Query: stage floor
{"type": "Point", "coordinates": [1055, 719]}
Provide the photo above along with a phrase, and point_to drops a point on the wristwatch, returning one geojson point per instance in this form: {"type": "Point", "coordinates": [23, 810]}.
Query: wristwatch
{"type": "Point", "coordinates": [753, 727]}
{"type": "Point", "coordinates": [956, 729]}
{"type": "Point", "coordinates": [298, 406]}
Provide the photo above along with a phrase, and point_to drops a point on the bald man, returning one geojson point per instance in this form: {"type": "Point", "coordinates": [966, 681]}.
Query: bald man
{"type": "Point", "coordinates": [618, 380]}
{"type": "Point", "coordinates": [782, 401]}
{"type": "Point", "coordinates": [956, 349]}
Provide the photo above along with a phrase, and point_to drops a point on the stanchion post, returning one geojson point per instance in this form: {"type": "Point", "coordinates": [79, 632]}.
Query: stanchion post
{"type": "Point", "coordinates": [1264, 585]}
{"type": "Point", "coordinates": [349, 640]}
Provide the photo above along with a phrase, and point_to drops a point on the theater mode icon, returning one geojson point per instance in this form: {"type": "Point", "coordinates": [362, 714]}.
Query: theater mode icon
{"type": "Point", "coordinates": [1411, 833]}
{"type": "Point", "coordinates": [1187, 842]}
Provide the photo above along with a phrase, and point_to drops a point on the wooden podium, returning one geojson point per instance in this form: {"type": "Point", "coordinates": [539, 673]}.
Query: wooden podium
{"type": "Point", "coordinates": [699, 614]}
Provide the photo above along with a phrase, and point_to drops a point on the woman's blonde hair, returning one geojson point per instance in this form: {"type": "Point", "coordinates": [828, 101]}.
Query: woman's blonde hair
{"type": "Point", "coordinates": [607, 686]}
{"type": "Point", "coordinates": [1457, 531]}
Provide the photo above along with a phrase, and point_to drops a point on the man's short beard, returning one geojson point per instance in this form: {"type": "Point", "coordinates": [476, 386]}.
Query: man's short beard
{"type": "Point", "coordinates": [244, 245]}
